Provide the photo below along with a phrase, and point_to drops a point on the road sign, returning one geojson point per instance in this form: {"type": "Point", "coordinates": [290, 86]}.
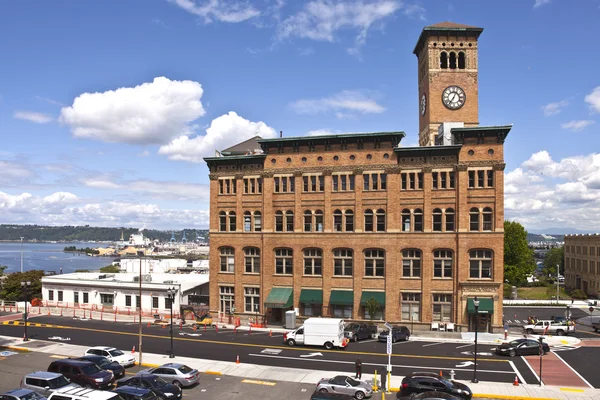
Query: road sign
{"type": "Point", "coordinates": [591, 309]}
{"type": "Point", "coordinates": [388, 325]}
{"type": "Point", "coordinates": [389, 343]}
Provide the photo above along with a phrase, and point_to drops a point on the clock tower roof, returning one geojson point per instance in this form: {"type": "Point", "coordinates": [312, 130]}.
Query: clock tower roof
{"type": "Point", "coordinates": [444, 29]}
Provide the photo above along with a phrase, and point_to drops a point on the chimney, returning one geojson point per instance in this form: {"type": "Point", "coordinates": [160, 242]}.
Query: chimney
{"type": "Point", "coordinates": [280, 134]}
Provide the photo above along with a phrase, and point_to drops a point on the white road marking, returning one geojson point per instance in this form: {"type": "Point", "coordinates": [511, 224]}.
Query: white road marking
{"type": "Point", "coordinates": [571, 368]}
{"type": "Point", "coordinates": [465, 364]}
{"type": "Point", "coordinates": [271, 351]}
{"type": "Point", "coordinates": [404, 341]}
{"type": "Point", "coordinates": [466, 345]}
{"type": "Point", "coordinates": [519, 376]}
{"type": "Point", "coordinates": [367, 341]}
{"type": "Point", "coordinates": [312, 355]}
{"type": "Point", "coordinates": [537, 378]}
{"type": "Point", "coordinates": [432, 344]}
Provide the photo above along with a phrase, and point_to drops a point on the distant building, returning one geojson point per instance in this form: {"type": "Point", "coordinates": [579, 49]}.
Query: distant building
{"type": "Point", "coordinates": [582, 263]}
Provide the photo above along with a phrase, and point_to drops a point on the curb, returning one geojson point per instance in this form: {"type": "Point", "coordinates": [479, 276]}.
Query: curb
{"type": "Point", "coordinates": [23, 349]}
{"type": "Point", "coordinates": [208, 372]}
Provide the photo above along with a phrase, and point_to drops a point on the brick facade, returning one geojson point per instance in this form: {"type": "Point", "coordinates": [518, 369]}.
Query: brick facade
{"type": "Point", "coordinates": [582, 263]}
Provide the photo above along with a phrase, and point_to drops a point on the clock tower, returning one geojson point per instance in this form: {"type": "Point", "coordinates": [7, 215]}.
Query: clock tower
{"type": "Point", "coordinates": [447, 59]}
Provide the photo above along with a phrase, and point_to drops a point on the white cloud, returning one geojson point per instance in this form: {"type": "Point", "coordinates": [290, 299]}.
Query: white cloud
{"type": "Point", "coordinates": [162, 190]}
{"type": "Point", "coordinates": [49, 101]}
{"type": "Point", "coordinates": [343, 103]}
{"type": "Point", "coordinates": [31, 116]}
{"type": "Point", "coordinates": [221, 10]}
{"type": "Point", "coordinates": [321, 132]}
{"type": "Point", "coordinates": [322, 20]}
{"type": "Point", "coordinates": [223, 132]}
{"type": "Point", "coordinates": [593, 99]}
{"type": "Point", "coordinates": [415, 11]}
{"type": "Point", "coordinates": [577, 125]}
{"type": "Point", "coordinates": [12, 172]}
{"type": "Point", "coordinates": [554, 108]}
{"type": "Point", "coordinates": [539, 3]}
{"type": "Point", "coordinates": [150, 113]}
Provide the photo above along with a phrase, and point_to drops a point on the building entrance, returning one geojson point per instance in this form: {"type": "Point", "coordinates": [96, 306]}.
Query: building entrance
{"type": "Point", "coordinates": [485, 322]}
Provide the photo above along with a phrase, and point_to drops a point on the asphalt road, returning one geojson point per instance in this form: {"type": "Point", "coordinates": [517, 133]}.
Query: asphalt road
{"type": "Point", "coordinates": [259, 347]}
{"type": "Point", "coordinates": [517, 317]}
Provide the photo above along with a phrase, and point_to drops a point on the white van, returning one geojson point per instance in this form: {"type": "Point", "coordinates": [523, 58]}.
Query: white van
{"type": "Point", "coordinates": [84, 394]}
{"type": "Point", "coordinates": [326, 332]}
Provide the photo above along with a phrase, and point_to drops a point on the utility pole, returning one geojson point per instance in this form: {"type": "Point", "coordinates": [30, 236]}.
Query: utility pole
{"type": "Point", "coordinates": [22, 254]}
{"type": "Point", "coordinates": [140, 253]}
{"type": "Point", "coordinates": [557, 284]}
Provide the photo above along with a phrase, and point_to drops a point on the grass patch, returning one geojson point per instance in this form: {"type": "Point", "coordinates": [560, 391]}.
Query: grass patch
{"type": "Point", "coordinates": [541, 293]}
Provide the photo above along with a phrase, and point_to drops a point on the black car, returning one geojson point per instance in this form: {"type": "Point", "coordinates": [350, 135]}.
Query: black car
{"type": "Point", "coordinates": [416, 383]}
{"type": "Point", "coordinates": [104, 363]}
{"type": "Point", "coordinates": [434, 396]}
{"type": "Point", "coordinates": [84, 373]}
{"type": "Point", "coordinates": [398, 333]}
{"type": "Point", "coordinates": [522, 347]}
{"type": "Point", "coordinates": [156, 383]}
{"type": "Point", "coordinates": [137, 393]}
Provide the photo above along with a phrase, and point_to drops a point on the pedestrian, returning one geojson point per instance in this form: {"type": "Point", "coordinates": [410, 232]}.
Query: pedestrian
{"type": "Point", "coordinates": [505, 330]}
{"type": "Point", "coordinates": [358, 365]}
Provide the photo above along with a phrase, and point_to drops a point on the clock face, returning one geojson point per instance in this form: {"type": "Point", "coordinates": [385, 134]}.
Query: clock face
{"type": "Point", "coordinates": [423, 104]}
{"type": "Point", "coordinates": [454, 97]}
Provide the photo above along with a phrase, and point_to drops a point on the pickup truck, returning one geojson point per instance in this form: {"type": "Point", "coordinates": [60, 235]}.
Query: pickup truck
{"type": "Point", "coordinates": [356, 331]}
{"type": "Point", "coordinates": [549, 328]}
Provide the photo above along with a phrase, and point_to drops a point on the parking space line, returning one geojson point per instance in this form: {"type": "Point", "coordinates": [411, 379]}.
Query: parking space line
{"type": "Point", "coordinates": [266, 383]}
{"type": "Point", "coordinates": [466, 345]}
{"type": "Point", "coordinates": [402, 342]}
{"type": "Point", "coordinates": [432, 344]}
{"type": "Point", "coordinates": [367, 341]}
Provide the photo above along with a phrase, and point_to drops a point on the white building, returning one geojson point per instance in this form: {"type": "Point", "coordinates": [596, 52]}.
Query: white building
{"type": "Point", "coordinates": [152, 266]}
{"type": "Point", "coordinates": [121, 291]}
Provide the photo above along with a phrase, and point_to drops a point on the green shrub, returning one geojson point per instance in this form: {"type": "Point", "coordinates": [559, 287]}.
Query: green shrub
{"type": "Point", "coordinates": [578, 294]}
{"type": "Point", "coordinates": [507, 291]}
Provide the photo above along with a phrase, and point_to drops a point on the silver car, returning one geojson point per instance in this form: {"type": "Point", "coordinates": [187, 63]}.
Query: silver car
{"type": "Point", "coordinates": [21, 394]}
{"type": "Point", "coordinates": [345, 385]}
{"type": "Point", "coordinates": [45, 383]}
{"type": "Point", "coordinates": [177, 374]}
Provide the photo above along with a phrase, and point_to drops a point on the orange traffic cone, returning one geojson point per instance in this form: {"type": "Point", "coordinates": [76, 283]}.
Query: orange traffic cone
{"type": "Point", "coordinates": [270, 333]}
{"type": "Point", "coordinates": [516, 382]}
{"type": "Point", "coordinates": [148, 324]}
{"type": "Point", "coordinates": [441, 372]}
{"type": "Point", "coordinates": [237, 360]}
{"type": "Point", "coordinates": [133, 350]}
{"type": "Point", "coordinates": [196, 327]}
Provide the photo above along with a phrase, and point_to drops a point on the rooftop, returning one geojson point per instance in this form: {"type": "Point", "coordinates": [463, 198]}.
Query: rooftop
{"type": "Point", "coordinates": [446, 28]}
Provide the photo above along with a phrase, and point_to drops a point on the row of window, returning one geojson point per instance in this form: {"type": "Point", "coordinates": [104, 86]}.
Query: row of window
{"type": "Point", "coordinates": [345, 182]}
{"type": "Point", "coordinates": [480, 262]}
{"type": "Point", "coordinates": [107, 299]}
{"type": "Point", "coordinates": [410, 304]}
{"type": "Point", "coordinates": [584, 250]}
{"type": "Point", "coordinates": [581, 265]}
{"type": "Point", "coordinates": [480, 220]}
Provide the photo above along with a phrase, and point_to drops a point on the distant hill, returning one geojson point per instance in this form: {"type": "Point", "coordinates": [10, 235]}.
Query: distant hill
{"type": "Point", "coordinates": [88, 233]}
{"type": "Point", "coordinates": [534, 237]}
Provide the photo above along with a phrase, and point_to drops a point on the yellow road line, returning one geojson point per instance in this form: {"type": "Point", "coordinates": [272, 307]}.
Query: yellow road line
{"type": "Point", "coordinates": [58, 356]}
{"type": "Point", "coordinates": [572, 390]}
{"type": "Point", "coordinates": [259, 382]}
{"type": "Point", "coordinates": [213, 372]}
{"type": "Point", "coordinates": [364, 353]}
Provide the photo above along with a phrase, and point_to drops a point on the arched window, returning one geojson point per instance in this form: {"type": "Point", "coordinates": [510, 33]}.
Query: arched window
{"type": "Point", "coordinates": [406, 220]}
{"type": "Point", "coordinates": [449, 213]}
{"type": "Point", "coordinates": [307, 221]}
{"type": "Point", "coordinates": [461, 60]}
{"type": "Point", "coordinates": [257, 221]}
{"type": "Point", "coordinates": [443, 60]}
{"type": "Point", "coordinates": [474, 219]}
{"type": "Point", "coordinates": [487, 219]}
{"type": "Point", "coordinates": [349, 214]}
{"type": "Point", "coordinates": [232, 221]}
{"type": "Point", "coordinates": [374, 262]}
{"type": "Point", "coordinates": [247, 221]}
{"type": "Point", "coordinates": [289, 221]}
{"type": "Point", "coordinates": [227, 259]}
{"type": "Point", "coordinates": [279, 221]}
{"type": "Point", "coordinates": [343, 262]}
{"type": "Point", "coordinates": [380, 220]}
{"type": "Point", "coordinates": [480, 264]}
{"type": "Point", "coordinates": [313, 262]}
{"type": "Point", "coordinates": [222, 221]}
{"type": "Point", "coordinates": [252, 260]}
{"type": "Point", "coordinates": [318, 221]}
{"type": "Point", "coordinates": [452, 60]}
{"type": "Point", "coordinates": [437, 220]}
{"type": "Point", "coordinates": [337, 221]}
{"type": "Point", "coordinates": [442, 263]}
{"type": "Point", "coordinates": [411, 263]}
{"type": "Point", "coordinates": [368, 220]}
{"type": "Point", "coordinates": [418, 217]}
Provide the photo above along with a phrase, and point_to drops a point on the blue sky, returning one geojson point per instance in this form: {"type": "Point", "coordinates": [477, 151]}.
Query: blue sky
{"type": "Point", "coordinates": [107, 107]}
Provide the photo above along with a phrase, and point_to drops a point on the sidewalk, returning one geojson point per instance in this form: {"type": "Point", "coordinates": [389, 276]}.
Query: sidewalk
{"type": "Point", "coordinates": [271, 373]}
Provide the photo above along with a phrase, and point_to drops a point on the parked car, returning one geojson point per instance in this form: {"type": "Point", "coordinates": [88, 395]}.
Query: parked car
{"type": "Point", "coordinates": [21, 394]}
{"type": "Point", "coordinates": [45, 383]}
{"type": "Point", "coordinates": [156, 383]}
{"type": "Point", "coordinates": [117, 369]}
{"type": "Point", "coordinates": [84, 373]}
{"type": "Point", "coordinates": [345, 385]}
{"type": "Point", "coordinates": [178, 374]}
{"type": "Point", "coordinates": [137, 393]}
{"type": "Point", "coordinates": [398, 333]}
{"type": "Point", "coordinates": [549, 327]}
{"type": "Point", "coordinates": [112, 354]}
{"type": "Point", "coordinates": [434, 396]}
{"type": "Point", "coordinates": [522, 347]}
{"type": "Point", "coordinates": [355, 331]}
{"type": "Point", "coordinates": [418, 382]}
{"type": "Point", "coordinates": [84, 394]}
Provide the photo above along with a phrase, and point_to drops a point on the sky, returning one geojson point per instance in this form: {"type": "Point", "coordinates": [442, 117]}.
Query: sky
{"type": "Point", "coordinates": [107, 108]}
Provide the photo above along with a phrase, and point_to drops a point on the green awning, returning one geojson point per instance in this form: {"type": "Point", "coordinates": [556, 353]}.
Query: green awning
{"type": "Point", "coordinates": [379, 296]}
{"type": "Point", "coordinates": [486, 306]}
{"type": "Point", "coordinates": [311, 296]}
{"type": "Point", "coordinates": [280, 298]}
{"type": "Point", "coordinates": [342, 297]}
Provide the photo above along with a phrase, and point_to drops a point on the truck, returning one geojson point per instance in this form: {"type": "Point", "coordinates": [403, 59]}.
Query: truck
{"type": "Point", "coordinates": [357, 331]}
{"type": "Point", "coordinates": [549, 327]}
{"type": "Point", "coordinates": [326, 332]}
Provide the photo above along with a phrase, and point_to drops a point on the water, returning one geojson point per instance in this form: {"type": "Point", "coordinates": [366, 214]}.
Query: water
{"type": "Point", "coordinates": [49, 257]}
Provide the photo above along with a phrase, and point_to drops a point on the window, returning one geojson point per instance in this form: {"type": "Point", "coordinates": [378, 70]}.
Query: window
{"type": "Point", "coordinates": [247, 221]}
{"type": "Point", "coordinates": [442, 179]}
{"type": "Point", "coordinates": [474, 219]}
{"type": "Point", "coordinates": [487, 219]}
{"type": "Point", "coordinates": [380, 220]}
{"type": "Point", "coordinates": [312, 310]}
{"type": "Point", "coordinates": [232, 221]}
{"type": "Point", "coordinates": [412, 220]}
{"type": "Point", "coordinates": [284, 222]}
{"type": "Point", "coordinates": [227, 220]}
{"type": "Point", "coordinates": [374, 262]}
{"type": "Point", "coordinates": [86, 298]}
{"type": "Point", "coordinates": [227, 259]}
{"type": "Point", "coordinates": [252, 221]}
{"type": "Point", "coordinates": [138, 301]}
{"type": "Point", "coordinates": [418, 220]}
{"type": "Point", "coordinates": [342, 311]}
{"type": "Point", "coordinates": [154, 302]}
{"type": "Point", "coordinates": [443, 60]}
{"type": "Point", "coordinates": [343, 221]}
{"type": "Point", "coordinates": [252, 185]}
{"type": "Point", "coordinates": [343, 262]}
{"type": "Point", "coordinates": [368, 220]}
{"type": "Point", "coordinates": [437, 220]}
{"type": "Point", "coordinates": [279, 221]}
{"type": "Point", "coordinates": [222, 221]}
{"type": "Point", "coordinates": [127, 300]}
{"type": "Point", "coordinates": [289, 221]}
{"type": "Point", "coordinates": [449, 214]}
{"type": "Point", "coordinates": [252, 300]}
{"type": "Point", "coordinates": [442, 263]}
{"type": "Point", "coordinates": [490, 178]}
{"type": "Point", "coordinates": [342, 182]}
{"type": "Point", "coordinates": [442, 307]}
{"type": "Point", "coordinates": [482, 178]}
{"type": "Point", "coordinates": [51, 295]}
{"type": "Point", "coordinates": [411, 306]}
{"type": "Point", "coordinates": [480, 264]}
{"type": "Point", "coordinates": [411, 181]}
{"type": "Point", "coordinates": [252, 260]}
{"type": "Point", "coordinates": [373, 181]}
{"type": "Point", "coordinates": [443, 221]}
{"type": "Point", "coordinates": [226, 299]}
{"type": "Point", "coordinates": [226, 185]}
{"type": "Point", "coordinates": [60, 295]}
{"type": "Point", "coordinates": [313, 262]}
{"type": "Point", "coordinates": [313, 183]}
{"type": "Point", "coordinates": [406, 220]}
{"type": "Point", "coordinates": [257, 221]}
{"type": "Point", "coordinates": [461, 60]}
{"type": "Point", "coordinates": [76, 297]}
{"type": "Point", "coordinates": [349, 214]}
{"type": "Point", "coordinates": [452, 60]}
{"type": "Point", "coordinates": [283, 184]}
{"type": "Point", "coordinates": [168, 303]}
{"type": "Point", "coordinates": [337, 221]}
{"type": "Point", "coordinates": [283, 261]}
{"type": "Point", "coordinates": [475, 216]}
{"type": "Point", "coordinates": [411, 263]}
{"type": "Point", "coordinates": [107, 299]}
{"type": "Point", "coordinates": [313, 221]}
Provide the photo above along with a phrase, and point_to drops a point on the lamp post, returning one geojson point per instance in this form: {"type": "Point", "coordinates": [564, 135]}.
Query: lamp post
{"type": "Point", "coordinates": [22, 254]}
{"type": "Point", "coordinates": [476, 304]}
{"type": "Point", "coordinates": [140, 254]}
{"type": "Point", "coordinates": [25, 285]}
{"type": "Point", "coordinates": [541, 339]}
{"type": "Point", "coordinates": [171, 295]}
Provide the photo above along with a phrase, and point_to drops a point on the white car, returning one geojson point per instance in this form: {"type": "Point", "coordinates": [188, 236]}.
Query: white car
{"type": "Point", "coordinates": [112, 354]}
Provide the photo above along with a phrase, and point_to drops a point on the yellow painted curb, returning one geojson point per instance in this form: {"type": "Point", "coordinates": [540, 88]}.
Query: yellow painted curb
{"type": "Point", "coordinates": [149, 365]}
{"type": "Point", "coordinates": [501, 396]}
{"type": "Point", "coordinates": [394, 389]}
{"type": "Point", "coordinates": [17, 348]}
{"type": "Point", "coordinates": [213, 373]}
{"type": "Point", "coordinates": [572, 390]}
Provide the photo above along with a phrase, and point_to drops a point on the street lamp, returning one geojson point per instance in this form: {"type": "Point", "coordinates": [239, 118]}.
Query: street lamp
{"type": "Point", "coordinates": [541, 339]}
{"type": "Point", "coordinates": [25, 285]}
{"type": "Point", "coordinates": [140, 255]}
{"type": "Point", "coordinates": [476, 304]}
{"type": "Point", "coordinates": [171, 295]}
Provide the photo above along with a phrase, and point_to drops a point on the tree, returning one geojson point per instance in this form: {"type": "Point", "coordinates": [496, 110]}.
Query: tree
{"type": "Point", "coordinates": [519, 261]}
{"type": "Point", "coordinates": [372, 306]}
{"type": "Point", "coordinates": [12, 289]}
{"type": "Point", "coordinates": [2, 269]}
{"type": "Point", "coordinates": [110, 269]}
{"type": "Point", "coordinates": [553, 258]}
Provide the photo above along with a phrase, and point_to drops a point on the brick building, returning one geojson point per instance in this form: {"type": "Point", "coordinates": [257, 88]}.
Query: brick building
{"type": "Point", "coordinates": [322, 224]}
{"type": "Point", "coordinates": [582, 263]}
